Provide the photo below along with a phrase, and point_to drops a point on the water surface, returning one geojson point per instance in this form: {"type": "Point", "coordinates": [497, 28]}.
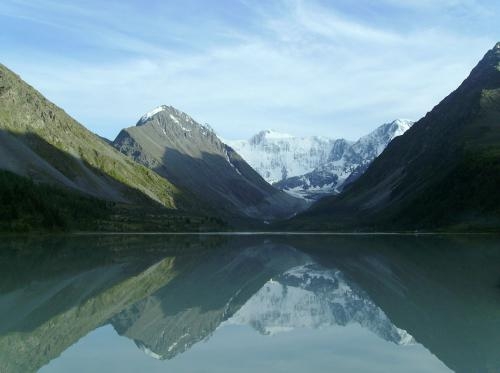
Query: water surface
{"type": "Point", "coordinates": [250, 303]}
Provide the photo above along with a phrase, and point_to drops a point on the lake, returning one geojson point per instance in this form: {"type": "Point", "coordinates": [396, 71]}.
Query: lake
{"type": "Point", "coordinates": [224, 303]}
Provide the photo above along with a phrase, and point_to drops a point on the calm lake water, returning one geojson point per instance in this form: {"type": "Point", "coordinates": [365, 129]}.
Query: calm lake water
{"type": "Point", "coordinates": [250, 304]}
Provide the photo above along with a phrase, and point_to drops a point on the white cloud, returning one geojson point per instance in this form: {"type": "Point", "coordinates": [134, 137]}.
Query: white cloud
{"type": "Point", "coordinates": [310, 70]}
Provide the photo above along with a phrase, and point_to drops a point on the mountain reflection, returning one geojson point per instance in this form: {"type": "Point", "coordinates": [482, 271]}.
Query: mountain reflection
{"type": "Point", "coordinates": [314, 297]}
{"type": "Point", "coordinates": [168, 293]}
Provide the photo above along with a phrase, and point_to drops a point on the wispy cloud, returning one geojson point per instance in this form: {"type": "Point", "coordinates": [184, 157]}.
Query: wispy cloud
{"type": "Point", "coordinates": [297, 66]}
{"type": "Point", "coordinates": [310, 18]}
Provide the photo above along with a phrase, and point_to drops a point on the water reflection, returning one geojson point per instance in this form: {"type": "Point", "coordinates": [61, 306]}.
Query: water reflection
{"type": "Point", "coordinates": [431, 296]}
{"type": "Point", "coordinates": [311, 296]}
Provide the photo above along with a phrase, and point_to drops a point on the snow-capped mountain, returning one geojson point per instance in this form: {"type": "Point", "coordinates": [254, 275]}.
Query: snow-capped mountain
{"type": "Point", "coordinates": [310, 166]}
{"type": "Point", "coordinates": [346, 162]}
{"type": "Point", "coordinates": [278, 156]}
{"type": "Point", "coordinates": [310, 296]}
{"type": "Point", "coordinates": [195, 160]}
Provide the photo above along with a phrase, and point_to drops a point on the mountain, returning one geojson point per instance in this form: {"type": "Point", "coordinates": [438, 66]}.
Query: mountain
{"type": "Point", "coordinates": [50, 301]}
{"type": "Point", "coordinates": [278, 156]}
{"type": "Point", "coordinates": [168, 293]}
{"type": "Point", "coordinates": [56, 159]}
{"type": "Point", "coordinates": [310, 296]}
{"type": "Point", "coordinates": [191, 308]}
{"type": "Point", "coordinates": [345, 163]}
{"type": "Point", "coordinates": [428, 286]}
{"type": "Point", "coordinates": [310, 167]}
{"type": "Point", "coordinates": [41, 141]}
{"type": "Point", "coordinates": [442, 173]}
{"type": "Point", "coordinates": [191, 155]}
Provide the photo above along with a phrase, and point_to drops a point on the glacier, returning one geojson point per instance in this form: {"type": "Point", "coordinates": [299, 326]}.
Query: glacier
{"type": "Point", "coordinates": [311, 167]}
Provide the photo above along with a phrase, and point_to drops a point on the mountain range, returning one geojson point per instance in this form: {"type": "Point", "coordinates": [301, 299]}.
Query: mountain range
{"type": "Point", "coordinates": [443, 172]}
{"type": "Point", "coordinates": [277, 156]}
{"type": "Point", "coordinates": [167, 294]}
{"type": "Point", "coordinates": [56, 174]}
{"type": "Point", "coordinates": [310, 296]}
{"type": "Point", "coordinates": [312, 167]}
{"type": "Point", "coordinates": [171, 173]}
{"type": "Point", "coordinates": [192, 157]}
{"type": "Point", "coordinates": [166, 173]}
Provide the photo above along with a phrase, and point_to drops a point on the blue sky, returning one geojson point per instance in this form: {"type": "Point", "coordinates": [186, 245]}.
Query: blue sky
{"type": "Point", "coordinates": [306, 67]}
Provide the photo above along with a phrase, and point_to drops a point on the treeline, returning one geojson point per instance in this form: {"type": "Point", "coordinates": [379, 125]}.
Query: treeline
{"type": "Point", "coordinates": [28, 206]}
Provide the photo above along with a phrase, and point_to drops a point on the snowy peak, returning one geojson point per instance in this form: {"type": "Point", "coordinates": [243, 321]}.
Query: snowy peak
{"type": "Point", "coordinates": [403, 123]}
{"type": "Point", "coordinates": [172, 115]}
{"type": "Point", "coordinates": [345, 161]}
{"type": "Point", "coordinates": [146, 117]}
{"type": "Point", "coordinates": [277, 156]}
{"type": "Point", "coordinates": [372, 145]}
{"type": "Point", "coordinates": [168, 117]}
{"type": "Point", "coordinates": [398, 127]}
{"type": "Point", "coordinates": [195, 159]}
{"type": "Point", "coordinates": [313, 297]}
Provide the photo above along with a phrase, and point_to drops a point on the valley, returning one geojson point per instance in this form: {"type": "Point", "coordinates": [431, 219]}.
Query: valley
{"type": "Point", "coordinates": [171, 173]}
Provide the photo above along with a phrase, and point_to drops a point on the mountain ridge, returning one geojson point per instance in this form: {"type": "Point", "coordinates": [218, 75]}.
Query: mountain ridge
{"type": "Point", "coordinates": [58, 160]}
{"type": "Point", "coordinates": [190, 154]}
{"type": "Point", "coordinates": [39, 129]}
{"type": "Point", "coordinates": [441, 174]}
{"type": "Point", "coordinates": [314, 166]}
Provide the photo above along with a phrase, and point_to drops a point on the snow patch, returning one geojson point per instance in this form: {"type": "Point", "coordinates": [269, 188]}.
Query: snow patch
{"type": "Point", "coordinates": [148, 352]}
{"type": "Point", "coordinates": [276, 156]}
{"type": "Point", "coordinates": [151, 113]}
{"type": "Point", "coordinates": [228, 159]}
{"type": "Point", "coordinates": [174, 119]}
{"type": "Point", "coordinates": [308, 167]}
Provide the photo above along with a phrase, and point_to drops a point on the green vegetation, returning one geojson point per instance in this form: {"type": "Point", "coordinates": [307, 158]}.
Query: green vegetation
{"type": "Point", "coordinates": [50, 132]}
{"type": "Point", "coordinates": [468, 193]}
{"type": "Point", "coordinates": [28, 207]}
{"type": "Point", "coordinates": [65, 178]}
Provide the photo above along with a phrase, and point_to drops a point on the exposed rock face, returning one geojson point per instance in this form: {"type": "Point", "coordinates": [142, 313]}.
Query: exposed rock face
{"type": "Point", "coordinates": [40, 141]}
{"type": "Point", "coordinates": [194, 158]}
{"type": "Point", "coordinates": [442, 173]}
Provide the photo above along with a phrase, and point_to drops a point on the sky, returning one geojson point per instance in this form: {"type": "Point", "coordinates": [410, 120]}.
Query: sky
{"type": "Point", "coordinates": [305, 67]}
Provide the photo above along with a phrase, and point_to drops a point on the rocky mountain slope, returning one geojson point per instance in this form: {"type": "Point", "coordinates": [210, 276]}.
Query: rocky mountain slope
{"type": "Point", "coordinates": [39, 141]}
{"type": "Point", "coordinates": [57, 175]}
{"type": "Point", "coordinates": [345, 163]}
{"type": "Point", "coordinates": [442, 173]}
{"type": "Point", "coordinates": [310, 167]}
{"type": "Point", "coordinates": [191, 155]}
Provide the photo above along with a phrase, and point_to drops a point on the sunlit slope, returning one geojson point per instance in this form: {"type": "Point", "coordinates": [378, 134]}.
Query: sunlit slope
{"type": "Point", "coordinates": [40, 141]}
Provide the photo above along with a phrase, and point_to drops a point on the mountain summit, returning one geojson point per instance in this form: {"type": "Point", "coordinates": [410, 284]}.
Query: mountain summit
{"type": "Point", "coordinates": [277, 156]}
{"type": "Point", "coordinates": [312, 167]}
{"type": "Point", "coordinates": [346, 162]}
{"type": "Point", "coordinates": [443, 172]}
{"type": "Point", "coordinates": [39, 141]}
{"type": "Point", "coordinates": [192, 156]}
